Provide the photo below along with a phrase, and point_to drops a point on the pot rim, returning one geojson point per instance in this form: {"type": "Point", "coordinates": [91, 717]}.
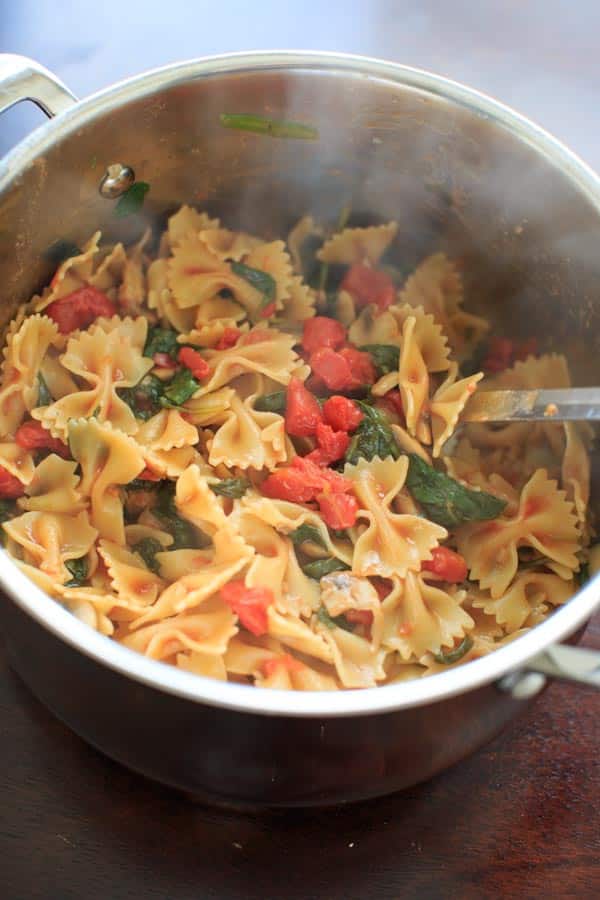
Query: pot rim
{"type": "Point", "coordinates": [244, 698]}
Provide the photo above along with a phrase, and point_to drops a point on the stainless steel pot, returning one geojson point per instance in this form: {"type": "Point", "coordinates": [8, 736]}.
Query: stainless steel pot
{"type": "Point", "coordinates": [458, 171]}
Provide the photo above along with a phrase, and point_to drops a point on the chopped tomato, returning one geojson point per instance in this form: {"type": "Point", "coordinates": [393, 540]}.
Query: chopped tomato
{"type": "Point", "coordinates": [338, 510]}
{"type": "Point", "coordinates": [250, 604]}
{"type": "Point", "coordinates": [164, 361]}
{"type": "Point", "coordinates": [321, 331]}
{"type": "Point", "coordinates": [331, 444]}
{"type": "Point", "coordinates": [447, 564]}
{"type": "Point", "coordinates": [369, 285]}
{"type": "Point", "coordinates": [269, 310]}
{"type": "Point", "coordinates": [193, 361]}
{"type": "Point", "coordinates": [302, 410]}
{"type": "Point", "coordinates": [228, 339]}
{"type": "Point", "coordinates": [341, 413]}
{"type": "Point", "coordinates": [361, 364]}
{"type": "Point", "coordinates": [10, 486]}
{"type": "Point", "coordinates": [148, 475]}
{"type": "Point", "coordinates": [32, 435]}
{"type": "Point", "coordinates": [359, 617]}
{"type": "Point", "coordinates": [79, 309]}
{"type": "Point", "coordinates": [394, 399]}
{"type": "Point", "coordinates": [288, 484]}
{"type": "Point", "coordinates": [331, 367]}
{"type": "Point", "coordinates": [383, 587]}
{"type": "Point", "coordinates": [286, 661]}
{"type": "Point", "coordinates": [321, 479]}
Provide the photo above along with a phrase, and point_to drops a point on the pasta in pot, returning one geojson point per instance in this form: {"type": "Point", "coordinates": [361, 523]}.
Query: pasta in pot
{"type": "Point", "coordinates": [231, 455]}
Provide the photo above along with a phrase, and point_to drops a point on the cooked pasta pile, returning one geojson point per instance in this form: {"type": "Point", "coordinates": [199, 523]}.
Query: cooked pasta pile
{"type": "Point", "coordinates": [232, 455]}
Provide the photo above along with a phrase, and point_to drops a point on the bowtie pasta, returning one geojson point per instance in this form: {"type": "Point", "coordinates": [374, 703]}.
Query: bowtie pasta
{"type": "Point", "coordinates": [239, 457]}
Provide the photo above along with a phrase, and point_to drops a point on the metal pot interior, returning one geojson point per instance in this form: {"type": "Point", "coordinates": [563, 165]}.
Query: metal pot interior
{"type": "Point", "coordinates": [456, 174]}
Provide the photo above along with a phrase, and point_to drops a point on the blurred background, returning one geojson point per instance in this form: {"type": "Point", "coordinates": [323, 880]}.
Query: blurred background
{"type": "Point", "coordinates": [539, 56]}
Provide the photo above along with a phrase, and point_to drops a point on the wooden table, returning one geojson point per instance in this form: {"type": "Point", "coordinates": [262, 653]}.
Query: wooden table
{"type": "Point", "coordinates": [518, 819]}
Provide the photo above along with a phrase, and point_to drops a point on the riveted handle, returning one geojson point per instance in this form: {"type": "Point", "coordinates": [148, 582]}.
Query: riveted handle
{"type": "Point", "coordinates": [576, 664]}
{"type": "Point", "coordinates": [24, 79]}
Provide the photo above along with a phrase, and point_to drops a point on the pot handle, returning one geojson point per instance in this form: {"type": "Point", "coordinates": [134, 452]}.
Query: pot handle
{"type": "Point", "coordinates": [23, 79]}
{"type": "Point", "coordinates": [562, 661]}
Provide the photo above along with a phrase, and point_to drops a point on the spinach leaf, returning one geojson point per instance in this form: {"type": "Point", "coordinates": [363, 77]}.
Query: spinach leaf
{"type": "Point", "coordinates": [276, 128]}
{"type": "Point", "coordinates": [44, 395]}
{"type": "Point", "coordinates": [231, 487]}
{"type": "Point", "coordinates": [447, 657]}
{"type": "Point", "coordinates": [306, 533]}
{"type": "Point", "coordinates": [271, 402]}
{"type": "Point", "coordinates": [333, 621]}
{"type": "Point", "coordinates": [61, 250]}
{"type": "Point", "coordinates": [145, 398]}
{"type": "Point", "coordinates": [147, 548]}
{"type": "Point", "coordinates": [316, 568]}
{"type": "Point", "coordinates": [386, 357]}
{"type": "Point", "coordinates": [78, 569]}
{"type": "Point", "coordinates": [373, 437]}
{"type": "Point", "coordinates": [444, 500]}
{"type": "Point", "coordinates": [185, 536]}
{"type": "Point", "coordinates": [161, 340]}
{"type": "Point", "coordinates": [260, 281]}
{"type": "Point", "coordinates": [180, 388]}
{"type": "Point", "coordinates": [132, 200]}
{"type": "Point", "coordinates": [584, 574]}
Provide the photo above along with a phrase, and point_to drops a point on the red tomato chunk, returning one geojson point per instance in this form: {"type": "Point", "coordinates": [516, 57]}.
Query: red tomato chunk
{"type": "Point", "coordinates": [447, 564]}
{"type": "Point", "coordinates": [321, 331]}
{"type": "Point", "coordinates": [270, 666]}
{"type": "Point", "coordinates": [32, 435]}
{"type": "Point", "coordinates": [228, 339]}
{"type": "Point", "coordinates": [10, 486]}
{"type": "Point", "coordinates": [341, 413]}
{"type": "Point", "coordinates": [331, 445]}
{"type": "Point", "coordinates": [369, 285]}
{"type": "Point", "coordinates": [360, 617]}
{"type": "Point", "coordinates": [193, 361]}
{"type": "Point", "coordinates": [338, 510]}
{"type": "Point", "coordinates": [302, 410]}
{"type": "Point", "coordinates": [361, 364]}
{"type": "Point", "coordinates": [80, 309]}
{"type": "Point", "coordinates": [331, 367]}
{"type": "Point", "coordinates": [250, 604]}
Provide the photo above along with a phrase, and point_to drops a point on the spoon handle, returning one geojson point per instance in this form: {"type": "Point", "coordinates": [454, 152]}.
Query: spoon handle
{"type": "Point", "coordinates": [558, 405]}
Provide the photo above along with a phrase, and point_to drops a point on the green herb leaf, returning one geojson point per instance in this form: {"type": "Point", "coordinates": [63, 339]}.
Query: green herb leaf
{"type": "Point", "coordinates": [161, 340]}
{"type": "Point", "coordinates": [78, 569]}
{"type": "Point", "coordinates": [386, 357]}
{"type": "Point", "coordinates": [185, 536]}
{"type": "Point", "coordinates": [61, 250]}
{"type": "Point", "coordinates": [445, 500]}
{"type": "Point", "coordinates": [180, 388]}
{"type": "Point", "coordinates": [147, 548]}
{"type": "Point", "coordinates": [270, 127]}
{"type": "Point", "coordinates": [446, 658]}
{"type": "Point", "coordinates": [373, 437]}
{"type": "Point", "coordinates": [260, 281]}
{"type": "Point", "coordinates": [582, 575]}
{"type": "Point", "coordinates": [231, 487]}
{"type": "Point", "coordinates": [274, 402]}
{"type": "Point", "coordinates": [333, 621]}
{"type": "Point", "coordinates": [307, 533]}
{"type": "Point", "coordinates": [44, 395]}
{"type": "Point", "coordinates": [132, 200]}
{"type": "Point", "coordinates": [145, 398]}
{"type": "Point", "coordinates": [317, 568]}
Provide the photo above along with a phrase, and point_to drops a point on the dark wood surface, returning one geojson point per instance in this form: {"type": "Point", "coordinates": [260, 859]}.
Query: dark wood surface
{"type": "Point", "coordinates": [520, 818]}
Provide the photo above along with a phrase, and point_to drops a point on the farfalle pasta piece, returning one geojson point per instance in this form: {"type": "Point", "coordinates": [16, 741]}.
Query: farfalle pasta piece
{"type": "Point", "coordinates": [17, 461]}
{"type": "Point", "coordinates": [575, 470]}
{"type": "Point", "coordinates": [132, 290]}
{"type": "Point", "coordinates": [205, 664]}
{"type": "Point", "coordinates": [373, 327]}
{"type": "Point", "coordinates": [304, 229]}
{"type": "Point", "coordinates": [447, 404]}
{"type": "Point", "coordinates": [357, 664]}
{"type": "Point", "coordinates": [160, 298]}
{"type": "Point", "coordinates": [167, 430]}
{"type": "Point", "coordinates": [227, 244]}
{"type": "Point", "coordinates": [342, 591]}
{"type": "Point", "coordinates": [544, 520]}
{"type": "Point", "coordinates": [300, 304]}
{"type": "Point", "coordinates": [529, 590]}
{"type": "Point", "coordinates": [108, 458]}
{"type": "Point", "coordinates": [298, 635]}
{"type": "Point", "coordinates": [231, 555]}
{"type": "Point", "coordinates": [108, 273]}
{"type": "Point", "coordinates": [71, 274]}
{"type": "Point", "coordinates": [421, 617]}
{"type": "Point", "coordinates": [270, 666]}
{"type": "Point", "coordinates": [249, 438]}
{"type": "Point", "coordinates": [188, 220]}
{"type": "Point", "coordinates": [392, 543]}
{"type": "Point", "coordinates": [53, 488]}
{"type": "Point", "coordinates": [91, 607]}
{"type": "Point", "coordinates": [300, 595]}
{"type": "Point", "coordinates": [358, 245]}
{"type": "Point", "coordinates": [270, 561]}
{"type": "Point", "coordinates": [212, 319]}
{"type": "Point", "coordinates": [273, 259]}
{"type": "Point", "coordinates": [105, 362]}
{"type": "Point", "coordinates": [130, 579]}
{"type": "Point", "coordinates": [262, 351]}
{"type": "Point", "coordinates": [133, 329]}
{"type": "Point", "coordinates": [26, 346]}
{"type": "Point", "coordinates": [206, 630]}
{"type": "Point", "coordinates": [49, 539]}
{"type": "Point", "coordinates": [197, 503]}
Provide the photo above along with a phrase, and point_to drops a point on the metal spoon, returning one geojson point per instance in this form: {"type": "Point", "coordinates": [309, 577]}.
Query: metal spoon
{"type": "Point", "coordinates": [559, 405]}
